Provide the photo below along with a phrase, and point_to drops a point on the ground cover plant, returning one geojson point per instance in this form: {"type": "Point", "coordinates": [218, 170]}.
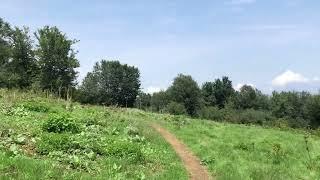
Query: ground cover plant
{"type": "Point", "coordinates": [232, 151]}
{"type": "Point", "coordinates": [42, 137]}
{"type": "Point", "coordinates": [47, 138]}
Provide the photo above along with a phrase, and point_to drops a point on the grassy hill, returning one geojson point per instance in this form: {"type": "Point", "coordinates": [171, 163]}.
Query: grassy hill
{"type": "Point", "coordinates": [47, 138]}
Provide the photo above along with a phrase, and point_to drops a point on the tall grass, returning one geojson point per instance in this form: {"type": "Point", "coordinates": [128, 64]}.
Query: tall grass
{"type": "Point", "coordinates": [232, 151]}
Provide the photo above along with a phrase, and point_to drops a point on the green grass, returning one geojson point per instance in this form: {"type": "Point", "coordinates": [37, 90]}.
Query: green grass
{"type": "Point", "coordinates": [248, 152]}
{"type": "Point", "coordinates": [46, 138]}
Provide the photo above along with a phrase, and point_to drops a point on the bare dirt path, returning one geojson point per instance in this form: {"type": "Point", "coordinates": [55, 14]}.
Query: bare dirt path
{"type": "Point", "coordinates": [191, 162]}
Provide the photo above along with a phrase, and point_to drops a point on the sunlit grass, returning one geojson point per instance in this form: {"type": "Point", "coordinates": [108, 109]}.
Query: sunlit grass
{"type": "Point", "coordinates": [91, 153]}
{"type": "Point", "coordinates": [249, 152]}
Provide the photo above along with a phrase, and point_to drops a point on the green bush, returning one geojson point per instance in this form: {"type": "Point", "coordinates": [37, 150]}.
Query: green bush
{"type": "Point", "coordinates": [245, 146]}
{"type": "Point", "coordinates": [126, 150]}
{"type": "Point", "coordinates": [230, 115]}
{"type": "Point", "coordinates": [132, 131]}
{"type": "Point", "coordinates": [277, 154]}
{"type": "Point", "coordinates": [57, 123]}
{"type": "Point", "coordinates": [298, 122]}
{"type": "Point", "coordinates": [9, 110]}
{"type": "Point", "coordinates": [282, 123]}
{"type": "Point", "coordinates": [212, 113]}
{"type": "Point", "coordinates": [252, 116]}
{"type": "Point", "coordinates": [53, 142]}
{"type": "Point", "coordinates": [36, 106]}
{"type": "Point", "coordinates": [176, 109]}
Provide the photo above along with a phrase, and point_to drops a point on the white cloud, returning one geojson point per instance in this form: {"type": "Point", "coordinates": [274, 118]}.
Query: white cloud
{"type": "Point", "coordinates": [240, 85]}
{"type": "Point", "coordinates": [152, 90]}
{"type": "Point", "coordinates": [240, 2]}
{"type": "Point", "coordinates": [316, 79]}
{"type": "Point", "coordinates": [289, 77]}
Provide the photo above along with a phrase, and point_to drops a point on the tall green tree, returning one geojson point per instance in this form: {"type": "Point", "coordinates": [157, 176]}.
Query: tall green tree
{"type": "Point", "coordinates": [111, 83]}
{"type": "Point", "coordinates": [208, 94]}
{"type": "Point", "coordinates": [223, 90]}
{"type": "Point", "coordinates": [18, 65]}
{"type": "Point", "coordinates": [159, 101]}
{"type": "Point", "coordinates": [5, 41]}
{"type": "Point", "coordinates": [23, 65]}
{"type": "Point", "coordinates": [57, 60]}
{"type": "Point", "coordinates": [313, 111]}
{"type": "Point", "coordinates": [186, 91]}
{"type": "Point", "coordinates": [5, 52]}
{"type": "Point", "coordinates": [289, 104]}
{"type": "Point", "coordinates": [218, 92]}
{"type": "Point", "coordinates": [250, 98]}
{"type": "Point", "coordinates": [143, 100]}
{"type": "Point", "coordinates": [89, 91]}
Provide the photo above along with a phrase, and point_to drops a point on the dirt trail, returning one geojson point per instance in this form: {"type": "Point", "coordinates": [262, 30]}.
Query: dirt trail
{"type": "Point", "coordinates": [191, 162]}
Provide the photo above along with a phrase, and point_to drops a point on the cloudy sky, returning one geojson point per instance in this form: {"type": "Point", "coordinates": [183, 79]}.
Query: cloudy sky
{"type": "Point", "coordinates": [270, 44]}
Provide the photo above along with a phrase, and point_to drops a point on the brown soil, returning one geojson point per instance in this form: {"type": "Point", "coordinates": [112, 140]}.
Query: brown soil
{"type": "Point", "coordinates": [191, 162]}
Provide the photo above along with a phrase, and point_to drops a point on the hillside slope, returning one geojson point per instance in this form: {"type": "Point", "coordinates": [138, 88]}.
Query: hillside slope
{"type": "Point", "coordinates": [45, 138]}
{"type": "Point", "coordinates": [49, 138]}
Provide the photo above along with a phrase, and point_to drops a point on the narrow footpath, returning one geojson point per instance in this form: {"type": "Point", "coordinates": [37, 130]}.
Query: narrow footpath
{"type": "Point", "coordinates": [192, 163]}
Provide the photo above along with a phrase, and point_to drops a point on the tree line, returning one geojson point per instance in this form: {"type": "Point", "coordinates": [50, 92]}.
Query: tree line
{"type": "Point", "coordinates": [47, 64]}
{"type": "Point", "coordinates": [218, 100]}
{"type": "Point", "coordinates": [46, 61]}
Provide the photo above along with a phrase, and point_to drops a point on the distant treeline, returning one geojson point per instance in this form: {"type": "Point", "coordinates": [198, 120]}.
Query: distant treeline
{"type": "Point", "coordinates": [219, 101]}
{"type": "Point", "coordinates": [49, 64]}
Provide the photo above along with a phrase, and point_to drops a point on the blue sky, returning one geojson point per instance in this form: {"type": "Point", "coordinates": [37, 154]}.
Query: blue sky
{"type": "Point", "coordinates": [271, 44]}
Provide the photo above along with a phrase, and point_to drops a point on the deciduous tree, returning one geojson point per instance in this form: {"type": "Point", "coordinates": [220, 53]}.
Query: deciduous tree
{"type": "Point", "coordinates": [57, 60]}
{"type": "Point", "coordinates": [186, 91]}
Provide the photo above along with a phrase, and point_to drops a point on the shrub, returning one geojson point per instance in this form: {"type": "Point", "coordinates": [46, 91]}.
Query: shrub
{"type": "Point", "coordinates": [251, 116]}
{"type": "Point", "coordinates": [13, 110]}
{"type": "Point", "coordinates": [230, 115]}
{"type": "Point", "coordinates": [126, 150]}
{"type": "Point", "coordinates": [245, 146]}
{"type": "Point", "coordinates": [36, 106]}
{"type": "Point", "coordinates": [132, 131]}
{"type": "Point", "coordinates": [57, 123]}
{"type": "Point", "coordinates": [278, 154]}
{"type": "Point", "coordinates": [176, 108]}
{"type": "Point", "coordinates": [212, 113]}
{"type": "Point", "coordinates": [298, 122]}
{"type": "Point", "coordinates": [316, 132]}
{"type": "Point", "coordinates": [53, 142]}
{"type": "Point", "coordinates": [282, 123]}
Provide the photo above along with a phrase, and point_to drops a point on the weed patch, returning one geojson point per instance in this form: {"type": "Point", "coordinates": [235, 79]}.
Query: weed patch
{"type": "Point", "coordinates": [59, 123]}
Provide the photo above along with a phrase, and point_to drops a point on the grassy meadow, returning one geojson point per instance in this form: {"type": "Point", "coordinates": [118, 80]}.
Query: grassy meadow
{"type": "Point", "coordinates": [46, 138]}
{"type": "Point", "coordinates": [232, 151]}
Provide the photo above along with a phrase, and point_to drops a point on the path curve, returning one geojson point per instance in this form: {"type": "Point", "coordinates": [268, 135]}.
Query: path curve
{"type": "Point", "coordinates": [191, 162]}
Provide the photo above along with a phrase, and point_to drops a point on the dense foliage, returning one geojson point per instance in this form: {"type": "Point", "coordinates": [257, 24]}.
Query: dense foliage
{"type": "Point", "coordinates": [111, 83]}
{"type": "Point", "coordinates": [220, 102]}
{"type": "Point", "coordinates": [185, 91]}
{"type": "Point", "coordinates": [57, 61]}
{"type": "Point", "coordinates": [47, 65]}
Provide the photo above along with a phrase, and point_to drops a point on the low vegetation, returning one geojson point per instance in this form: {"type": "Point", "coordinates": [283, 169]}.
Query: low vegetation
{"type": "Point", "coordinates": [46, 138]}
{"type": "Point", "coordinates": [233, 151]}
